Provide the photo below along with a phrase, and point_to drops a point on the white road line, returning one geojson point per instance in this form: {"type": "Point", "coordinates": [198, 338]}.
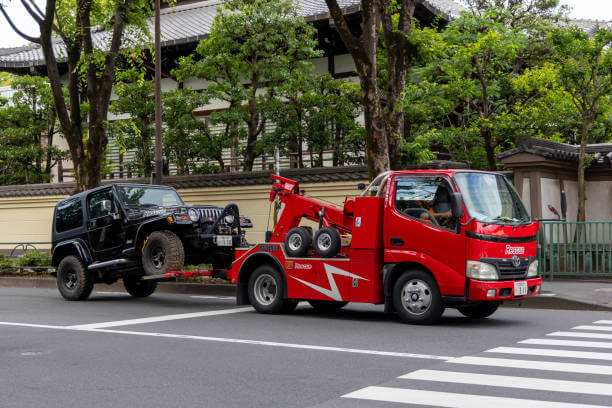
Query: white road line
{"type": "Point", "coordinates": [160, 318]}
{"type": "Point", "coordinates": [598, 328]}
{"type": "Point", "coordinates": [581, 334]}
{"type": "Point", "coordinates": [534, 365]}
{"type": "Point", "coordinates": [541, 384]}
{"type": "Point", "coordinates": [603, 322]}
{"type": "Point", "coordinates": [552, 353]}
{"type": "Point", "coordinates": [571, 343]}
{"type": "Point", "coordinates": [238, 341]}
{"type": "Point", "coordinates": [453, 400]}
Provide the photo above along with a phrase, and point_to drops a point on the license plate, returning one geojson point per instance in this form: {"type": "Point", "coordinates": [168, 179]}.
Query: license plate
{"type": "Point", "coordinates": [520, 288]}
{"type": "Point", "coordinates": [224, 240]}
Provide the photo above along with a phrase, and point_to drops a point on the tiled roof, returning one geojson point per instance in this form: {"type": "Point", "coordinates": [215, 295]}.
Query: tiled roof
{"type": "Point", "coordinates": [601, 152]}
{"type": "Point", "coordinates": [191, 22]}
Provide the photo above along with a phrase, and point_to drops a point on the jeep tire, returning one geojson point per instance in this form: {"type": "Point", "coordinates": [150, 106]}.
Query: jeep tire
{"type": "Point", "coordinates": [162, 252]}
{"type": "Point", "coordinates": [73, 280]}
{"type": "Point", "coordinates": [139, 288]}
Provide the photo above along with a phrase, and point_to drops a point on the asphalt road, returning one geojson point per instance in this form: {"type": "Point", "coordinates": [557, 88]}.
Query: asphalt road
{"type": "Point", "coordinates": [184, 351]}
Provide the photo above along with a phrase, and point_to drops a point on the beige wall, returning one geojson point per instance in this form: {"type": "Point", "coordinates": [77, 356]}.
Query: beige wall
{"type": "Point", "coordinates": [28, 219]}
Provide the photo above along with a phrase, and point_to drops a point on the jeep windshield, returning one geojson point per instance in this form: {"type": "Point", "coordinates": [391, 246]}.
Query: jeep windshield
{"type": "Point", "coordinates": [491, 198]}
{"type": "Point", "coordinates": [133, 196]}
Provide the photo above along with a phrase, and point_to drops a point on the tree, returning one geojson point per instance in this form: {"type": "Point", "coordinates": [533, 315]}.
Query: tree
{"type": "Point", "coordinates": [319, 111]}
{"type": "Point", "coordinates": [384, 125]}
{"type": "Point", "coordinates": [83, 117]}
{"type": "Point", "coordinates": [254, 45]}
{"type": "Point", "coordinates": [136, 133]}
{"type": "Point", "coordinates": [585, 70]}
{"type": "Point", "coordinates": [27, 128]}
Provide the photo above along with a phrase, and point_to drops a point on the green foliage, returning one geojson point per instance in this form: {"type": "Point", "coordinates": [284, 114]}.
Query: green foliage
{"type": "Point", "coordinates": [5, 78]}
{"type": "Point", "coordinates": [254, 47]}
{"type": "Point", "coordinates": [27, 127]}
{"type": "Point", "coordinates": [34, 258]}
{"type": "Point", "coordinates": [6, 264]}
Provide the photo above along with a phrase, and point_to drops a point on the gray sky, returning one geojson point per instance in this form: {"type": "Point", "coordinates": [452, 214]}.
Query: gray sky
{"type": "Point", "coordinates": [591, 9]}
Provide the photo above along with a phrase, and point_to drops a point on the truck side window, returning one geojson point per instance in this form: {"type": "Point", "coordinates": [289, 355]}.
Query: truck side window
{"type": "Point", "coordinates": [100, 204]}
{"type": "Point", "coordinates": [427, 199]}
{"type": "Point", "coordinates": [69, 215]}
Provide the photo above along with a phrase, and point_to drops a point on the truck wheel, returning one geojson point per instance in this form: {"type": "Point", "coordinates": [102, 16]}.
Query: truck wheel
{"type": "Point", "coordinates": [73, 280]}
{"type": "Point", "coordinates": [417, 299]}
{"type": "Point", "coordinates": [266, 291]}
{"type": "Point", "coordinates": [478, 310]}
{"type": "Point", "coordinates": [162, 252]}
{"type": "Point", "coordinates": [297, 242]}
{"type": "Point", "coordinates": [139, 288]}
{"type": "Point", "coordinates": [326, 305]}
{"type": "Point", "coordinates": [327, 242]}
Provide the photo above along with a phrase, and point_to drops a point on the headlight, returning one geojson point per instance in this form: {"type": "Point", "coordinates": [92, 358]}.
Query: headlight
{"type": "Point", "coordinates": [193, 214]}
{"type": "Point", "coordinates": [229, 219]}
{"type": "Point", "coordinates": [481, 271]}
{"type": "Point", "coordinates": [532, 272]}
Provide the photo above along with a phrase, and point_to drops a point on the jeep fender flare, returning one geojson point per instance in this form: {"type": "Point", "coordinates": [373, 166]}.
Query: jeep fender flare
{"type": "Point", "coordinates": [248, 266]}
{"type": "Point", "coordinates": [76, 247]}
{"type": "Point", "coordinates": [144, 229]}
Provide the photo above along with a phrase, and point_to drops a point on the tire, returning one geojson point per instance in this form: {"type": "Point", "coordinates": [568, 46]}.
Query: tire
{"type": "Point", "coordinates": [73, 280]}
{"type": "Point", "coordinates": [266, 290]}
{"type": "Point", "coordinates": [326, 305]}
{"type": "Point", "coordinates": [327, 242]}
{"type": "Point", "coordinates": [162, 252]}
{"type": "Point", "coordinates": [298, 242]}
{"type": "Point", "coordinates": [139, 288]}
{"type": "Point", "coordinates": [478, 310]}
{"type": "Point", "coordinates": [417, 299]}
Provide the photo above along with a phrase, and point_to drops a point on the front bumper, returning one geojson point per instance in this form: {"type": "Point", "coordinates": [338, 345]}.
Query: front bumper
{"type": "Point", "coordinates": [504, 290]}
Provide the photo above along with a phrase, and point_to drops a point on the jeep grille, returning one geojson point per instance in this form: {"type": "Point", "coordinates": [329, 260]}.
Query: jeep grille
{"type": "Point", "coordinates": [213, 213]}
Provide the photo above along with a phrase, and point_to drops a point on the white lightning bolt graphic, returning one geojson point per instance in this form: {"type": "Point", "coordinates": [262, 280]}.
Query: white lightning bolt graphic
{"type": "Point", "coordinates": [333, 292]}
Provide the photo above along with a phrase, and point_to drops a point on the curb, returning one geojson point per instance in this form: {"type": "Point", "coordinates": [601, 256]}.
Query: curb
{"type": "Point", "coordinates": [538, 302]}
{"type": "Point", "coordinates": [164, 287]}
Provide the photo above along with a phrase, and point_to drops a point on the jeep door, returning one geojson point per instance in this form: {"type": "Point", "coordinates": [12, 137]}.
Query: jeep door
{"type": "Point", "coordinates": [106, 237]}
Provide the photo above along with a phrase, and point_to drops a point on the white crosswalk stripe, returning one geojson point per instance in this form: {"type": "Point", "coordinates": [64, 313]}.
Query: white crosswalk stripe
{"type": "Point", "coordinates": [540, 383]}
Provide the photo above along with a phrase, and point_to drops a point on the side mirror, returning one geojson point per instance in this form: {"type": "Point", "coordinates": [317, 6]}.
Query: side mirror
{"type": "Point", "coordinates": [106, 206]}
{"type": "Point", "coordinates": [361, 186]}
{"type": "Point", "coordinates": [457, 205]}
{"type": "Point", "coordinates": [554, 211]}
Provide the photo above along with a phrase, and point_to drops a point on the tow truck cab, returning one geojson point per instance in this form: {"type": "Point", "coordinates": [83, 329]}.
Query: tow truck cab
{"type": "Point", "coordinates": [417, 241]}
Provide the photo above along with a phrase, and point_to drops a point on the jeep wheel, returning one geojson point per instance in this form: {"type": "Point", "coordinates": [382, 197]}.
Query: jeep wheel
{"type": "Point", "coordinates": [162, 252]}
{"type": "Point", "coordinates": [73, 280]}
{"type": "Point", "coordinates": [139, 288]}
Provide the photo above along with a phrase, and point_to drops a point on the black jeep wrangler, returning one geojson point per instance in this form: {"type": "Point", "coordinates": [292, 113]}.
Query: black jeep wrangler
{"type": "Point", "coordinates": [130, 230]}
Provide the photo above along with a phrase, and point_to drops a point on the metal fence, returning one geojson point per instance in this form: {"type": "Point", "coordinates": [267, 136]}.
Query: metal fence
{"type": "Point", "coordinates": [567, 248]}
{"type": "Point", "coordinates": [24, 257]}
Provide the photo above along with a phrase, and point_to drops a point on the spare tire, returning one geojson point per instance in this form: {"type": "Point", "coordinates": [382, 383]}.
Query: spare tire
{"type": "Point", "coordinates": [327, 242]}
{"type": "Point", "coordinates": [162, 252]}
{"type": "Point", "coordinates": [297, 242]}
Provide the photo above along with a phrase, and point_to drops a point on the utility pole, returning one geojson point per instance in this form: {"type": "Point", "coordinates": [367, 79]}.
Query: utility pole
{"type": "Point", "coordinates": [159, 165]}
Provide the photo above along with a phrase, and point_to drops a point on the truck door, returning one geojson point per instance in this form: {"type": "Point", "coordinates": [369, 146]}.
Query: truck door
{"type": "Point", "coordinates": [104, 229]}
{"type": "Point", "coordinates": [419, 227]}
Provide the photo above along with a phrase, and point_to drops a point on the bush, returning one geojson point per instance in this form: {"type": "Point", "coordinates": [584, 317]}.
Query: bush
{"type": "Point", "coordinates": [34, 258]}
{"type": "Point", "coordinates": [6, 265]}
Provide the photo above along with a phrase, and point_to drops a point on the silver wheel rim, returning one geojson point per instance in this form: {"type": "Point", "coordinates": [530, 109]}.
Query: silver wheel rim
{"type": "Point", "coordinates": [295, 242]}
{"type": "Point", "coordinates": [324, 241]}
{"type": "Point", "coordinates": [265, 289]}
{"type": "Point", "coordinates": [416, 296]}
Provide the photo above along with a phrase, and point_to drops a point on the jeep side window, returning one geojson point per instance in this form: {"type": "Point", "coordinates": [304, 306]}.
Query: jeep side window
{"type": "Point", "coordinates": [100, 204]}
{"type": "Point", "coordinates": [69, 215]}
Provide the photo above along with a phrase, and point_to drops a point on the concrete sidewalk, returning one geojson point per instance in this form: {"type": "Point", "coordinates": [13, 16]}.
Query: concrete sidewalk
{"type": "Point", "coordinates": [558, 294]}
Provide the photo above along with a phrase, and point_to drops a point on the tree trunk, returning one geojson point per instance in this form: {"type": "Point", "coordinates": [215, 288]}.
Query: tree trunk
{"type": "Point", "coordinates": [377, 147]}
{"type": "Point", "coordinates": [581, 215]}
{"type": "Point", "coordinates": [485, 132]}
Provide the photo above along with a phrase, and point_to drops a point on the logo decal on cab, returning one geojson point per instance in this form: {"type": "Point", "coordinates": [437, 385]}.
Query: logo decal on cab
{"type": "Point", "coordinates": [514, 250]}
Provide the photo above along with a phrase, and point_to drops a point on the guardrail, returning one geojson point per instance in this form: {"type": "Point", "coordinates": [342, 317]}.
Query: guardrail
{"type": "Point", "coordinates": [571, 248]}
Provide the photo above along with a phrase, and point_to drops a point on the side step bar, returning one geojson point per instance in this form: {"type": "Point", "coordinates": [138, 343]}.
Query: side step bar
{"type": "Point", "coordinates": [106, 264]}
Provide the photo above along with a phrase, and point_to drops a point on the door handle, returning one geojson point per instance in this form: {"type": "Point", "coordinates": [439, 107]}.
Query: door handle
{"type": "Point", "coordinates": [397, 241]}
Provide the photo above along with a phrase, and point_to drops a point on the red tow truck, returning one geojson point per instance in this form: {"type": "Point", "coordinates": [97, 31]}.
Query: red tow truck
{"type": "Point", "coordinates": [416, 241]}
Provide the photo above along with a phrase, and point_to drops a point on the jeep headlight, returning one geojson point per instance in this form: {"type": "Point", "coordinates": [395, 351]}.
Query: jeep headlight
{"type": "Point", "coordinates": [532, 272]}
{"type": "Point", "coordinates": [481, 271]}
{"type": "Point", "coordinates": [193, 214]}
{"type": "Point", "coordinates": [229, 219]}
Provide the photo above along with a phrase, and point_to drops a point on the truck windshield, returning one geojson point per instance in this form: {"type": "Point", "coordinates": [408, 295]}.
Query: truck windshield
{"type": "Point", "coordinates": [491, 198]}
{"type": "Point", "coordinates": [149, 197]}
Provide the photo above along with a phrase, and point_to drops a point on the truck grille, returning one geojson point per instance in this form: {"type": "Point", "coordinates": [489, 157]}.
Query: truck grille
{"type": "Point", "coordinates": [507, 270]}
{"type": "Point", "coordinates": [213, 213]}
